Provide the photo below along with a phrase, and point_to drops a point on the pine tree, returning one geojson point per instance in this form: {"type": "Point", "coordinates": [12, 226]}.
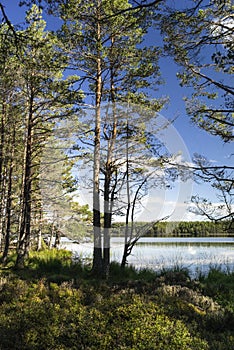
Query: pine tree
{"type": "Point", "coordinates": [107, 47]}
{"type": "Point", "coordinates": [200, 39]}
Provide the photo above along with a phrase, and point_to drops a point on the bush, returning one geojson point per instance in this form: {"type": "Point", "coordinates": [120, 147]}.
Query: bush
{"type": "Point", "coordinates": [137, 324]}
{"type": "Point", "coordinates": [43, 316]}
{"type": "Point", "coordinates": [220, 286]}
{"type": "Point", "coordinates": [65, 308]}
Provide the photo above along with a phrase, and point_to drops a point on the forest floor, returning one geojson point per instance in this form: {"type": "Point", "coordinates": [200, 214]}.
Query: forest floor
{"type": "Point", "coordinates": [55, 303]}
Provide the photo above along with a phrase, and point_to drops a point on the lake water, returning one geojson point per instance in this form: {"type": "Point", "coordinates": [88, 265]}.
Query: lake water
{"type": "Point", "coordinates": [196, 254]}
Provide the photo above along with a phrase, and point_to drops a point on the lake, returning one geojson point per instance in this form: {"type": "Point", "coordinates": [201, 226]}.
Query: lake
{"type": "Point", "coordinates": [198, 255]}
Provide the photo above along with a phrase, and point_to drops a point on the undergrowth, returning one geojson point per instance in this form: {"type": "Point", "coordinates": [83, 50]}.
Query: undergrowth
{"type": "Point", "coordinates": [56, 303]}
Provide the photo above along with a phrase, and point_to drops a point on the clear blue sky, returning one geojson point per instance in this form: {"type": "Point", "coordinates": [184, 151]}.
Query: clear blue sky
{"type": "Point", "coordinates": [195, 139]}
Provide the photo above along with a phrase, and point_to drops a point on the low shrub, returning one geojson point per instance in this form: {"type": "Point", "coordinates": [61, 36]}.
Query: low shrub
{"type": "Point", "coordinates": [61, 306]}
{"type": "Point", "coordinates": [54, 317]}
{"type": "Point", "coordinates": [220, 286]}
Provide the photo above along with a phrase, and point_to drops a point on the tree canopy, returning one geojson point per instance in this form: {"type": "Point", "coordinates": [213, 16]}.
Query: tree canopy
{"type": "Point", "coordinates": [200, 39]}
{"type": "Point", "coordinates": [89, 93]}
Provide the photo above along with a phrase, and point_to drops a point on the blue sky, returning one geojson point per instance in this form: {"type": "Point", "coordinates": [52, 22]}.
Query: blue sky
{"type": "Point", "coordinates": [194, 139]}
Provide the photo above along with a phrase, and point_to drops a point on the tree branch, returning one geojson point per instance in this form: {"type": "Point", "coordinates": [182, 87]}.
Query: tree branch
{"type": "Point", "coordinates": [139, 6]}
{"type": "Point", "coordinates": [216, 83]}
{"type": "Point", "coordinates": [8, 22]}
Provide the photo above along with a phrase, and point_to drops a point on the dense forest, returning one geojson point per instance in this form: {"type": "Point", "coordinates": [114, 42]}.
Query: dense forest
{"type": "Point", "coordinates": [183, 229]}
{"type": "Point", "coordinates": [86, 98]}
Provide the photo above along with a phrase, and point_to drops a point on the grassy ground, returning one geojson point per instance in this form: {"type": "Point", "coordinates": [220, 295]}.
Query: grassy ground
{"type": "Point", "coordinates": [57, 304]}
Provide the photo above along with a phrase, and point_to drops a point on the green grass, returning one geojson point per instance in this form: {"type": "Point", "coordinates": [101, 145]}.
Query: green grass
{"type": "Point", "coordinates": [220, 286]}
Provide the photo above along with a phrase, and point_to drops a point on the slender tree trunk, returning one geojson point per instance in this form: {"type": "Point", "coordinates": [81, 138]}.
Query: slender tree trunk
{"type": "Point", "coordinates": [108, 196]}
{"type": "Point", "coordinates": [130, 239]}
{"type": "Point", "coordinates": [126, 234]}
{"type": "Point", "coordinates": [107, 222]}
{"type": "Point", "coordinates": [39, 235]}
{"type": "Point", "coordinates": [97, 253]}
{"type": "Point", "coordinates": [50, 243]}
{"type": "Point", "coordinates": [39, 239]}
{"type": "Point", "coordinates": [25, 226]}
{"type": "Point", "coordinates": [2, 177]}
{"type": "Point", "coordinates": [57, 238]}
{"type": "Point", "coordinates": [9, 201]}
{"type": "Point", "coordinates": [109, 170]}
{"type": "Point", "coordinates": [3, 205]}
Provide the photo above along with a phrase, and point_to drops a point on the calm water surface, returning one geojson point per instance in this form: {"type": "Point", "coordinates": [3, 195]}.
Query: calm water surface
{"type": "Point", "coordinates": [196, 254]}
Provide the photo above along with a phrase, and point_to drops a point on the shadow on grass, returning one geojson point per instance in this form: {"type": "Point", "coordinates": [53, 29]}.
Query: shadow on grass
{"type": "Point", "coordinates": [52, 264]}
{"type": "Point", "coordinates": [58, 266]}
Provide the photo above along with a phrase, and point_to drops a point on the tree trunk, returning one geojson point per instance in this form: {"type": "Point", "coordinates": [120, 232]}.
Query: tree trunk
{"type": "Point", "coordinates": [25, 225]}
{"type": "Point", "coordinates": [57, 239]}
{"type": "Point", "coordinates": [126, 233]}
{"type": "Point", "coordinates": [2, 177]}
{"type": "Point", "coordinates": [3, 206]}
{"type": "Point", "coordinates": [9, 202]}
{"type": "Point", "coordinates": [39, 235]}
{"type": "Point", "coordinates": [125, 255]}
{"type": "Point", "coordinates": [107, 223]}
{"type": "Point", "coordinates": [109, 170]}
{"type": "Point", "coordinates": [50, 243]}
{"type": "Point", "coordinates": [108, 199]}
{"type": "Point", "coordinates": [97, 252]}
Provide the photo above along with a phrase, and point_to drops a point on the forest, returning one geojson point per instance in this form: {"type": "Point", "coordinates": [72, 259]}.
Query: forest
{"type": "Point", "coordinates": [85, 149]}
{"type": "Point", "coordinates": [182, 229]}
{"type": "Point", "coordinates": [81, 111]}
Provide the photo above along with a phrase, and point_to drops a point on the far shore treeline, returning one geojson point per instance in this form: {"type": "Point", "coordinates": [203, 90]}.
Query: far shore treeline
{"type": "Point", "coordinates": [183, 229]}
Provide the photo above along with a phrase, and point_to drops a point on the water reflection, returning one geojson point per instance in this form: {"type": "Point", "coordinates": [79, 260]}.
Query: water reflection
{"type": "Point", "coordinates": [196, 254]}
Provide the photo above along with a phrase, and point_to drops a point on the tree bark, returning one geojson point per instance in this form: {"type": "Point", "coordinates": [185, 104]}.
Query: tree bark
{"type": "Point", "coordinates": [97, 252]}
{"type": "Point", "coordinates": [2, 177]}
{"type": "Point", "coordinates": [109, 170]}
{"type": "Point", "coordinates": [25, 224]}
{"type": "Point", "coordinates": [9, 202]}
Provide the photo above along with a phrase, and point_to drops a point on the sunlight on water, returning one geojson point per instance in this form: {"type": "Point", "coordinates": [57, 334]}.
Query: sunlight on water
{"type": "Point", "coordinates": [198, 255]}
